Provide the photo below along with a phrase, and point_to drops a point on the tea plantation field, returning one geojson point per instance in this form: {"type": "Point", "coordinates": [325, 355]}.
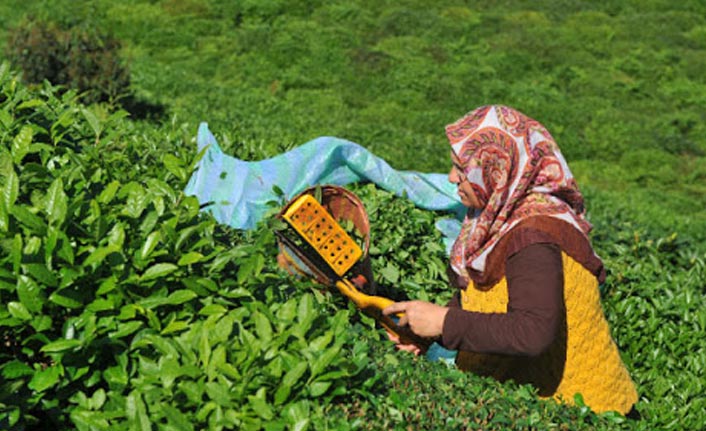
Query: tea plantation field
{"type": "Point", "coordinates": [123, 306]}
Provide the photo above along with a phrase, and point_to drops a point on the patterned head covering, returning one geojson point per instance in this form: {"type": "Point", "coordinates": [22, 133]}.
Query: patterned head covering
{"type": "Point", "coordinates": [518, 174]}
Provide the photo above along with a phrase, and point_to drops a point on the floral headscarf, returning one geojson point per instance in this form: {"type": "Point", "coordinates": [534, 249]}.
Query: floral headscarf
{"type": "Point", "coordinates": [519, 175]}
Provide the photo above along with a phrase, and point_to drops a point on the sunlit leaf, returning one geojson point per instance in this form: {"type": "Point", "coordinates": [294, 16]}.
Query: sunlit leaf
{"type": "Point", "coordinates": [11, 185]}
{"type": "Point", "coordinates": [177, 419]}
{"type": "Point", "coordinates": [56, 202]}
{"type": "Point", "coordinates": [158, 270]}
{"type": "Point", "coordinates": [190, 258]}
{"type": "Point", "coordinates": [137, 412]}
{"type": "Point", "coordinates": [181, 296]}
{"type": "Point", "coordinates": [30, 294]}
{"type": "Point", "coordinates": [126, 329]}
{"type": "Point", "coordinates": [93, 121]}
{"type": "Point", "coordinates": [150, 243]}
{"type": "Point", "coordinates": [18, 310]}
{"type": "Point", "coordinates": [263, 328]}
{"type": "Point", "coordinates": [66, 298]}
{"type": "Point", "coordinates": [109, 192]}
{"type": "Point", "coordinates": [175, 166]}
{"type": "Point", "coordinates": [15, 368]}
{"type": "Point", "coordinates": [60, 346]}
{"type": "Point", "coordinates": [175, 326]}
{"type": "Point", "coordinates": [288, 381]}
{"type": "Point", "coordinates": [21, 143]}
{"type": "Point", "coordinates": [99, 254]}
{"type": "Point", "coordinates": [46, 378]}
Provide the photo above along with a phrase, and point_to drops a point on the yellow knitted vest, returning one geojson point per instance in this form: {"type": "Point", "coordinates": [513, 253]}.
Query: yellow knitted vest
{"type": "Point", "coordinates": [583, 359]}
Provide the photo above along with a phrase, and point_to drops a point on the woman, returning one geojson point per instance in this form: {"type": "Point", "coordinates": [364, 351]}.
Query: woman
{"type": "Point", "coordinates": [528, 306]}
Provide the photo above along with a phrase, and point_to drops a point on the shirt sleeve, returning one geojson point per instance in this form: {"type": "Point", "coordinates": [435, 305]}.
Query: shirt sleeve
{"type": "Point", "coordinates": [535, 283]}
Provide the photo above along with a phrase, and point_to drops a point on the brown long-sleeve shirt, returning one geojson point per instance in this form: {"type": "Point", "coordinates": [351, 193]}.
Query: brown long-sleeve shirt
{"type": "Point", "coordinates": [535, 283]}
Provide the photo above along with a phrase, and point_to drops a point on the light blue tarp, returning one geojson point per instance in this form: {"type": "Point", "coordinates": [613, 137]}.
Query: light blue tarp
{"type": "Point", "coordinates": [238, 191]}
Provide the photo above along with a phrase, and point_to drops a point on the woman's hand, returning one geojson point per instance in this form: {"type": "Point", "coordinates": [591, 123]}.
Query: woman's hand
{"type": "Point", "coordinates": [412, 348]}
{"type": "Point", "coordinates": [424, 318]}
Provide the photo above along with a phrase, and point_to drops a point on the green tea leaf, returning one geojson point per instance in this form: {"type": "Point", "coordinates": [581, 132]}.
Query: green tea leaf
{"type": "Point", "coordinates": [287, 312]}
{"type": "Point", "coordinates": [137, 412]}
{"type": "Point", "coordinates": [125, 329]}
{"type": "Point", "coordinates": [5, 118]}
{"type": "Point", "coordinates": [89, 420]}
{"type": "Point", "coordinates": [99, 254]}
{"type": "Point", "coordinates": [251, 268]}
{"type": "Point", "coordinates": [31, 103]}
{"type": "Point", "coordinates": [16, 253]}
{"type": "Point", "coordinates": [305, 312]}
{"type": "Point", "coordinates": [10, 187]}
{"type": "Point", "coordinates": [298, 415]}
{"type": "Point", "coordinates": [60, 346]}
{"type": "Point", "coordinates": [93, 121]}
{"type": "Point", "coordinates": [116, 236]}
{"type": "Point", "coordinates": [324, 360]}
{"type": "Point", "coordinates": [261, 407]}
{"type": "Point", "coordinates": [41, 273]}
{"type": "Point", "coordinates": [108, 192]}
{"type": "Point", "coordinates": [116, 377]}
{"type": "Point", "coordinates": [204, 349]}
{"type": "Point", "coordinates": [66, 298]}
{"type": "Point", "coordinates": [46, 378]}
{"type": "Point", "coordinates": [316, 389]}
{"type": "Point", "coordinates": [100, 305]}
{"type": "Point", "coordinates": [107, 285]}
{"type": "Point", "coordinates": [31, 296]}
{"type": "Point", "coordinates": [190, 258]}
{"type": "Point", "coordinates": [288, 382]}
{"type": "Point", "coordinates": [21, 143]}
{"type": "Point", "coordinates": [137, 201]}
{"type": "Point", "coordinates": [63, 121]}
{"type": "Point", "coordinates": [221, 332]}
{"type": "Point", "coordinates": [150, 243]}
{"type": "Point", "coordinates": [390, 273]}
{"type": "Point", "coordinates": [4, 217]}
{"type": "Point", "coordinates": [177, 419]}
{"type": "Point", "coordinates": [29, 219]}
{"type": "Point", "coordinates": [15, 369]}
{"type": "Point", "coordinates": [18, 310]}
{"type": "Point", "coordinates": [181, 296]}
{"type": "Point", "coordinates": [56, 202]}
{"type": "Point", "coordinates": [218, 393]}
{"type": "Point", "coordinates": [42, 323]}
{"type": "Point", "coordinates": [175, 166]}
{"type": "Point", "coordinates": [158, 270]}
{"type": "Point", "coordinates": [175, 326]}
{"type": "Point", "coordinates": [262, 326]}
{"type": "Point", "coordinates": [212, 309]}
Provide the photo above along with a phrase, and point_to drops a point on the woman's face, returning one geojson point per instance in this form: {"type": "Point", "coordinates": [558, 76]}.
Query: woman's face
{"type": "Point", "coordinates": [465, 190]}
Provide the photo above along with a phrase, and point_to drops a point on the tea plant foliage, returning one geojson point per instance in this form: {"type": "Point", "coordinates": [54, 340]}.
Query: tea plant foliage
{"type": "Point", "coordinates": [123, 306]}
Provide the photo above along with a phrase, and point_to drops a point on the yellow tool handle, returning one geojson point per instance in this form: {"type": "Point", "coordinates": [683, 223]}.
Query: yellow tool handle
{"type": "Point", "coordinates": [373, 306]}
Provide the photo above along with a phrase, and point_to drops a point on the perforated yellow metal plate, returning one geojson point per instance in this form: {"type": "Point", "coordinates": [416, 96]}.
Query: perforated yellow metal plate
{"type": "Point", "coordinates": [323, 233]}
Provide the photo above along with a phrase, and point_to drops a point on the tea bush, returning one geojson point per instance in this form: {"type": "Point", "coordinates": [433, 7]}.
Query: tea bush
{"type": "Point", "coordinates": [80, 57]}
{"type": "Point", "coordinates": [125, 307]}
{"type": "Point", "coordinates": [122, 306]}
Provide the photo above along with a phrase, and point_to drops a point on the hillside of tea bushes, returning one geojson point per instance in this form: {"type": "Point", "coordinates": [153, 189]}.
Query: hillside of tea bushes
{"type": "Point", "coordinates": [123, 306]}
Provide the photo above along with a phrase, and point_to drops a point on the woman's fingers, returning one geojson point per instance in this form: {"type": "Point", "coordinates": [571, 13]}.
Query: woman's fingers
{"type": "Point", "coordinates": [409, 348]}
{"type": "Point", "coordinates": [423, 318]}
{"type": "Point", "coordinates": [403, 320]}
{"type": "Point", "coordinates": [412, 348]}
{"type": "Point", "coordinates": [397, 307]}
{"type": "Point", "coordinates": [392, 337]}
